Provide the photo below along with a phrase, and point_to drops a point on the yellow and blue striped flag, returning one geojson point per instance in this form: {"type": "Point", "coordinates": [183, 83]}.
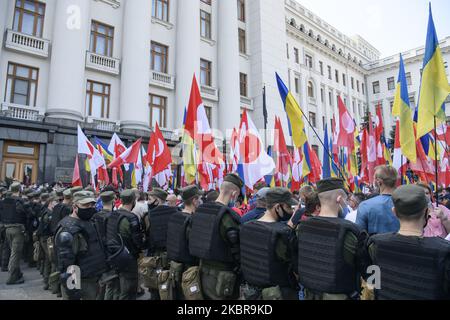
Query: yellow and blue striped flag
{"type": "Point", "coordinates": [434, 88]}
{"type": "Point", "coordinates": [402, 109]}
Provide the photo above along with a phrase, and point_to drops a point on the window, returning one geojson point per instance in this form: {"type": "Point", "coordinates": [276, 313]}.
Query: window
{"type": "Point", "coordinates": [205, 72]}
{"type": "Point", "coordinates": [330, 98]}
{"type": "Point", "coordinates": [160, 9]}
{"type": "Point", "coordinates": [391, 83]}
{"type": "Point", "coordinates": [21, 85]}
{"type": "Point", "coordinates": [297, 59]}
{"type": "Point", "coordinates": [312, 119]}
{"type": "Point", "coordinates": [323, 122]}
{"type": "Point", "coordinates": [242, 41]}
{"type": "Point", "coordinates": [102, 39]}
{"type": "Point", "coordinates": [352, 82]}
{"type": "Point", "coordinates": [159, 56]}
{"type": "Point", "coordinates": [361, 114]}
{"type": "Point", "coordinates": [297, 86]}
{"type": "Point", "coordinates": [157, 110]}
{"type": "Point", "coordinates": [321, 67]}
{"type": "Point", "coordinates": [205, 24]}
{"type": "Point", "coordinates": [408, 79]}
{"type": "Point", "coordinates": [208, 2]}
{"type": "Point", "coordinates": [322, 94]}
{"type": "Point", "coordinates": [29, 17]}
{"type": "Point", "coordinates": [329, 73]}
{"type": "Point", "coordinates": [310, 89]}
{"type": "Point", "coordinates": [309, 61]}
{"type": "Point", "coordinates": [376, 87]}
{"type": "Point", "coordinates": [391, 105]}
{"type": "Point", "coordinates": [241, 10]}
{"type": "Point", "coordinates": [97, 99]}
{"type": "Point", "coordinates": [208, 111]}
{"type": "Point", "coordinates": [357, 85]}
{"type": "Point", "coordinates": [337, 76]}
{"type": "Point", "coordinates": [354, 107]}
{"type": "Point", "coordinates": [243, 82]}
{"type": "Point", "coordinates": [287, 50]}
{"type": "Point", "coordinates": [363, 88]}
{"type": "Point", "coordinates": [344, 80]}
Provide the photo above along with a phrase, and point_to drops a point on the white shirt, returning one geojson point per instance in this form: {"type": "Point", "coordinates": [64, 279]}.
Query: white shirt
{"type": "Point", "coordinates": [448, 238]}
{"type": "Point", "coordinates": [351, 216]}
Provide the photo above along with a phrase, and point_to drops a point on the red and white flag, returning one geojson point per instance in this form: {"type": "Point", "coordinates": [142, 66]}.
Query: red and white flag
{"type": "Point", "coordinates": [346, 136]}
{"type": "Point", "coordinates": [129, 156]}
{"type": "Point", "coordinates": [378, 134]}
{"type": "Point", "coordinates": [76, 179]}
{"type": "Point", "coordinates": [371, 150]}
{"type": "Point", "coordinates": [158, 153]}
{"type": "Point", "coordinates": [399, 162]}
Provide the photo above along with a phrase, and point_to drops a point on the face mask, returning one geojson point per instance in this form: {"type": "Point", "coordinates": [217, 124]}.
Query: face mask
{"type": "Point", "coordinates": [86, 214]}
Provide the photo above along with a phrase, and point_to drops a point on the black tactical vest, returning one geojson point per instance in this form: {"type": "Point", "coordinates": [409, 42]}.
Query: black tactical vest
{"type": "Point", "coordinates": [321, 264]}
{"type": "Point", "coordinates": [177, 242]}
{"type": "Point", "coordinates": [412, 268]}
{"type": "Point", "coordinates": [259, 262]}
{"type": "Point", "coordinates": [99, 219]}
{"type": "Point", "coordinates": [44, 223]}
{"type": "Point", "coordinates": [10, 214]}
{"type": "Point", "coordinates": [205, 241]}
{"type": "Point", "coordinates": [159, 222]}
{"type": "Point", "coordinates": [59, 212]}
{"type": "Point", "coordinates": [112, 232]}
{"type": "Point", "coordinates": [92, 262]}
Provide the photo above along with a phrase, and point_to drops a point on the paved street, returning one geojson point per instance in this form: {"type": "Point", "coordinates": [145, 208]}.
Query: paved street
{"type": "Point", "coordinates": [30, 290]}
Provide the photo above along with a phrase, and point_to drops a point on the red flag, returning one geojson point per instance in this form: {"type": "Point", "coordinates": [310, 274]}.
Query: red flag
{"type": "Point", "coordinates": [76, 180]}
{"type": "Point", "coordinates": [346, 127]}
{"type": "Point", "coordinates": [371, 150]}
{"type": "Point", "coordinates": [364, 161]}
{"type": "Point", "coordinates": [129, 156]}
{"type": "Point", "coordinates": [280, 147]}
{"type": "Point", "coordinates": [378, 134]}
{"type": "Point", "coordinates": [158, 154]}
{"type": "Point", "coordinates": [316, 167]}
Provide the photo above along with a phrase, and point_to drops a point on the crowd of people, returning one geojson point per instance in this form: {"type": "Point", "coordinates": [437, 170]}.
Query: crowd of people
{"type": "Point", "coordinates": [317, 243]}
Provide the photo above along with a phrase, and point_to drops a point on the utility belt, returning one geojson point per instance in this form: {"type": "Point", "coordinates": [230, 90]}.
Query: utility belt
{"type": "Point", "coordinates": [151, 267]}
{"type": "Point", "coordinates": [15, 225]}
{"type": "Point", "coordinates": [251, 292]}
{"type": "Point", "coordinates": [224, 281]}
{"type": "Point", "coordinates": [180, 278]}
{"type": "Point", "coordinates": [331, 296]}
{"type": "Point", "coordinates": [51, 250]}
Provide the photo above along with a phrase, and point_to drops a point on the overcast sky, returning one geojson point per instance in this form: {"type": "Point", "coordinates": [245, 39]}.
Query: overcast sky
{"type": "Point", "coordinates": [392, 26]}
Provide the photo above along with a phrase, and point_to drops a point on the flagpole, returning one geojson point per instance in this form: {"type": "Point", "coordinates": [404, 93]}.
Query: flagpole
{"type": "Point", "coordinates": [401, 169]}
{"type": "Point", "coordinates": [436, 162]}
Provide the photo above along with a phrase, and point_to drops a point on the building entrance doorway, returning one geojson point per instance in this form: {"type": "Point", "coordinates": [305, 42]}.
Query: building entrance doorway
{"type": "Point", "coordinates": [20, 162]}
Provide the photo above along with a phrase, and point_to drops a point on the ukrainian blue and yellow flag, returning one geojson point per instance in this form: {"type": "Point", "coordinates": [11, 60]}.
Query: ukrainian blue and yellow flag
{"type": "Point", "coordinates": [294, 114]}
{"type": "Point", "coordinates": [387, 155]}
{"type": "Point", "coordinates": [402, 109]}
{"type": "Point", "coordinates": [434, 88]}
{"type": "Point", "coordinates": [103, 148]}
{"type": "Point", "coordinates": [306, 168]}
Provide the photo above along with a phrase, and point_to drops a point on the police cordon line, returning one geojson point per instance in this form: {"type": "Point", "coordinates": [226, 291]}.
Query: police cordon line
{"type": "Point", "coordinates": [320, 243]}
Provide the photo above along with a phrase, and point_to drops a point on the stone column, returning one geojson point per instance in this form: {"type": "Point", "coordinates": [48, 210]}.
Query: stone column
{"type": "Point", "coordinates": [187, 54]}
{"type": "Point", "coordinates": [67, 88]}
{"type": "Point", "coordinates": [228, 67]}
{"type": "Point", "coordinates": [134, 87]}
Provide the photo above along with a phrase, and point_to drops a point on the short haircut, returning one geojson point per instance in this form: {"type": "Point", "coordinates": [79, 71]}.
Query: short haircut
{"type": "Point", "coordinates": [330, 196]}
{"type": "Point", "coordinates": [387, 174]}
{"type": "Point", "coordinates": [311, 202]}
{"type": "Point", "coordinates": [228, 187]}
{"type": "Point", "coordinates": [425, 186]}
{"type": "Point", "coordinates": [306, 190]}
{"type": "Point", "coordinates": [190, 201]}
{"type": "Point", "coordinates": [360, 197]}
{"type": "Point", "coordinates": [142, 196]}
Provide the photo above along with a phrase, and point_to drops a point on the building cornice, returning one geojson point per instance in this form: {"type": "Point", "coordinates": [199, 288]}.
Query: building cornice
{"type": "Point", "coordinates": [113, 3]}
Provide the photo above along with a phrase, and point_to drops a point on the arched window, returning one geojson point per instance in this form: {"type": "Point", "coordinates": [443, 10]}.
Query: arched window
{"type": "Point", "coordinates": [311, 33]}
{"type": "Point", "coordinates": [327, 44]}
{"type": "Point", "coordinates": [319, 38]}
{"type": "Point", "coordinates": [340, 52]}
{"type": "Point", "coordinates": [333, 47]}
{"type": "Point", "coordinates": [302, 28]}
{"type": "Point", "coordinates": [310, 89]}
{"type": "Point", "coordinates": [293, 23]}
{"type": "Point", "coordinates": [349, 57]}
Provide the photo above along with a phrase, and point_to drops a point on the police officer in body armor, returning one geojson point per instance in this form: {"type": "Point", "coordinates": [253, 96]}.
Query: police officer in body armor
{"type": "Point", "coordinates": [424, 263]}
{"type": "Point", "coordinates": [267, 255]}
{"type": "Point", "coordinates": [14, 216]}
{"type": "Point", "coordinates": [108, 289]}
{"type": "Point", "coordinates": [77, 244]}
{"type": "Point", "coordinates": [43, 233]}
{"type": "Point", "coordinates": [329, 248]}
{"type": "Point", "coordinates": [214, 239]}
{"type": "Point", "coordinates": [124, 243]}
{"type": "Point", "coordinates": [157, 222]}
{"type": "Point", "coordinates": [60, 211]}
{"type": "Point", "coordinates": [178, 232]}
{"type": "Point", "coordinates": [4, 248]}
